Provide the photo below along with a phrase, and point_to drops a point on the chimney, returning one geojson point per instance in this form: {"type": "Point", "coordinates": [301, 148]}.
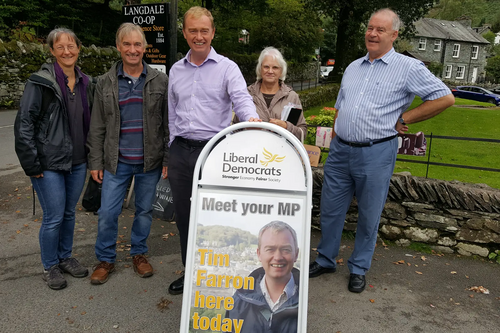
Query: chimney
{"type": "Point", "coordinates": [466, 21]}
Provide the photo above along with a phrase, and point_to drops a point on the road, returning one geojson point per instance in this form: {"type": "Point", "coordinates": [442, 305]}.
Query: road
{"type": "Point", "coordinates": [9, 162]}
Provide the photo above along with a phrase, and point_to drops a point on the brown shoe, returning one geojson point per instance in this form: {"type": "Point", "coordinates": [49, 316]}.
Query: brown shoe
{"type": "Point", "coordinates": [101, 272]}
{"type": "Point", "coordinates": [141, 266]}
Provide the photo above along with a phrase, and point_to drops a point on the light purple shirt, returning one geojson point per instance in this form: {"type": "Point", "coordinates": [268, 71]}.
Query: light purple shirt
{"type": "Point", "coordinates": [200, 98]}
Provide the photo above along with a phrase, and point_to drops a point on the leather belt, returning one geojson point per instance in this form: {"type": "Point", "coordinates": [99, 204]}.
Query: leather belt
{"type": "Point", "coordinates": [191, 143]}
{"type": "Point", "coordinates": [366, 144]}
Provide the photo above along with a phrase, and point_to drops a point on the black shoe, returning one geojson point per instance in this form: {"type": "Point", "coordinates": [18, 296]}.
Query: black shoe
{"type": "Point", "coordinates": [316, 269]}
{"type": "Point", "coordinates": [357, 283]}
{"type": "Point", "coordinates": [177, 286]}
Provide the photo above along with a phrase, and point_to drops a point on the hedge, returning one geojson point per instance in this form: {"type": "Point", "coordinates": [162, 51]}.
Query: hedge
{"type": "Point", "coordinates": [319, 95]}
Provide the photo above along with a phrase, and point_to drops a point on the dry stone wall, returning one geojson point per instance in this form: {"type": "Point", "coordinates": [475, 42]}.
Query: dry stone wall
{"type": "Point", "coordinates": [451, 217]}
{"type": "Point", "coordinates": [19, 60]}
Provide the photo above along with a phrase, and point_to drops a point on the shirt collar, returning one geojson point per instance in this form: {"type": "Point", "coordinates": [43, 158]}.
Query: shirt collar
{"type": "Point", "coordinates": [385, 58]}
{"type": "Point", "coordinates": [78, 77]}
{"type": "Point", "coordinates": [212, 55]}
{"type": "Point", "coordinates": [289, 290]}
{"type": "Point", "coordinates": [120, 71]}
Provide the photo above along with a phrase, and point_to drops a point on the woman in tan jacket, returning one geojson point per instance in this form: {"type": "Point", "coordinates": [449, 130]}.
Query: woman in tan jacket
{"type": "Point", "coordinates": [271, 95]}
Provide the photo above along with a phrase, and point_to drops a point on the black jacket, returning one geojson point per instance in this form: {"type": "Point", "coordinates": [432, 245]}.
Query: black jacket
{"type": "Point", "coordinates": [41, 129]}
{"type": "Point", "coordinates": [251, 306]}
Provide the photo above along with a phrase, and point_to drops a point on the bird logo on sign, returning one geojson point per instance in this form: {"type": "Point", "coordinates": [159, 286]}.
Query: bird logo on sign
{"type": "Point", "coordinates": [270, 157]}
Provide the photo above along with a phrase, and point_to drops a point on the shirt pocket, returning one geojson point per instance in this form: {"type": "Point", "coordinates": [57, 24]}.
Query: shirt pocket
{"type": "Point", "coordinates": [211, 96]}
{"type": "Point", "coordinates": [382, 93]}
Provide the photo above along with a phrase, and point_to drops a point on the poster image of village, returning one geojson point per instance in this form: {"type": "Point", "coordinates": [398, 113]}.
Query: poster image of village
{"type": "Point", "coordinates": [226, 260]}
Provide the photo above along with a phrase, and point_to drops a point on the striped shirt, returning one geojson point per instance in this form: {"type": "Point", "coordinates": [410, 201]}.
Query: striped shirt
{"type": "Point", "coordinates": [373, 95]}
{"type": "Point", "coordinates": [131, 145]}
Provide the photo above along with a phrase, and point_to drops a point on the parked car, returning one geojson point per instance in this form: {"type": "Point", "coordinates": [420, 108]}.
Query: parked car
{"type": "Point", "coordinates": [323, 73]}
{"type": "Point", "coordinates": [495, 90]}
{"type": "Point", "coordinates": [476, 94]}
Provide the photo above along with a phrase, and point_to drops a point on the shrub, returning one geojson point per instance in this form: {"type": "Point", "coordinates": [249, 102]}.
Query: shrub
{"type": "Point", "coordinates": [318, 95]}
{"type": "Point", "coordinates": [324, 119]}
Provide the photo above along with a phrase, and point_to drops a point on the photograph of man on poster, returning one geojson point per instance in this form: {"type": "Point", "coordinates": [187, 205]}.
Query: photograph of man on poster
{"type": "Point", "coordinates": [272, 306]}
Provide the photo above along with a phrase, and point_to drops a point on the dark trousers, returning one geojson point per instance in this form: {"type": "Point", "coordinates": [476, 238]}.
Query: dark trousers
{"type": "Point", "coordinates": [180, 173]}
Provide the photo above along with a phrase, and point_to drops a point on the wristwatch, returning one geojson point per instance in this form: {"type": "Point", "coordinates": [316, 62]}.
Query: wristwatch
{"type": "Point", "coordinates": [402, 121]}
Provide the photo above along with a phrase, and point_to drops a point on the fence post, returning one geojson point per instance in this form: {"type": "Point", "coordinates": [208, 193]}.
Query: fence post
{"type": "Point", "coordinates": [428, 157]}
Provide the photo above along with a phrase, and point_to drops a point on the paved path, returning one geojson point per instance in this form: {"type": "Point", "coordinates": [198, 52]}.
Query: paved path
{"type": "Point", "coordinates": [399, 298]}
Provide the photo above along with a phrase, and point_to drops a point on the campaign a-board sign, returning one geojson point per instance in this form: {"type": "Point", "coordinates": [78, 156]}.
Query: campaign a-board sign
{"type": "Point", "coordinates": [154, 21]}
{"type": "Point", "coordinates": [249, 233]}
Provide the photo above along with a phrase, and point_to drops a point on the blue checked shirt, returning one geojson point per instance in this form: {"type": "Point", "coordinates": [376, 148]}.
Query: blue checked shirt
{"type": "Point", "coordinates": [372, 96]}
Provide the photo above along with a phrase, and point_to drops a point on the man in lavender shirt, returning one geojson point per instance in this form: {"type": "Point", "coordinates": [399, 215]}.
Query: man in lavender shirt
{"type": "Point", "coordinates": [203, 89]}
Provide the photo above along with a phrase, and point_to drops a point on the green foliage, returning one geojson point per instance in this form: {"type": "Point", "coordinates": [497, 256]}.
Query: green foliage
{"type": "Point", "coordinates": [348, 235]}
{"type": "Point", "coordinates": [324, 119]}
{"type": "Point", "coordinates": [420, 247]}
{"type": "Point", "coordinates": [350, 18]}
{"type": "Point", "coordinates": [459, 122]}
{"type": "Point", "coordinates": [319, 95]}
{"type": "Point", "coordinates": [23, 34]}
{"type": "Point", "coordinates": [495, 256]}
{"type": "Point", "coordinates": [267, 21]}
{"type": "Point", "coordinates": [246, 63]}
{"type": "Point", "coordinates": [436, 68]}
{"type": "Point", "coordinates": [297, 40]}
{"type": "Point", "coordinates": [94, 22]}
{"type": "Point", "coordinates": [489, 36]}
{"type": "Point", "coordinates": [493, 68]}
{"type": "Point", "coordinates": [479, 11]}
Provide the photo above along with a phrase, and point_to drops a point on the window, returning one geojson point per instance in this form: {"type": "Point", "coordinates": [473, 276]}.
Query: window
{"type": "Point", "coordinates": [447, 74]}
{"type": "Point", "coordinates": [475, 51]}
{"type": "Point", "coordinates": [437, 45]}
{"type": "Point", "coordinates": [456, 50]}
{"type": "Point", "coordinates": [421, 43]}
{"type": "Point", "coordinates": [460, 72]}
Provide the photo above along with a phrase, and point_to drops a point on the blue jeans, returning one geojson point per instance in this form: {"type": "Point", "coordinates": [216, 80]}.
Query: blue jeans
{"type": "Point", "coordinates": [114, 188]}
{"type": "Point", "coordinates": [366, 171]}
{"type": "Point", "coordinates": [58, 193]}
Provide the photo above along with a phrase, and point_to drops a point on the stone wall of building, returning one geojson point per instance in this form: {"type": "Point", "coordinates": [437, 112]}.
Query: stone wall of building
{"type": "Point", "coordinates": [448, 216]}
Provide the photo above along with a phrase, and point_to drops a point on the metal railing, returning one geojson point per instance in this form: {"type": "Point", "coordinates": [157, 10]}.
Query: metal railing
{"type": "Point", "coordinates": [428, 162]}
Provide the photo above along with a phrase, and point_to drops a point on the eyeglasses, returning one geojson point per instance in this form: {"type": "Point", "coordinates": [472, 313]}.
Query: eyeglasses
{"type": "Point", "coordinates": [70, 48]}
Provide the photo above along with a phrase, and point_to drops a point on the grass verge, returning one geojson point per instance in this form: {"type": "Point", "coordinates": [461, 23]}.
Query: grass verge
{"type": "Point", "coordinates": [466, 118]}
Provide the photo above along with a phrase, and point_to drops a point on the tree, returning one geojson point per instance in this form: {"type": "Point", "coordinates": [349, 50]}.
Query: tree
{"type": "Point", "coordinates": [289, 25]}
{"type": "Point", "coordinates": [490, 37]}
{"type": "Point", "coordinates": [493, 68]}
{"type": "Point", "coordinates": [94, 22]}
{"type": "Point", "coordinates": [351, 17]}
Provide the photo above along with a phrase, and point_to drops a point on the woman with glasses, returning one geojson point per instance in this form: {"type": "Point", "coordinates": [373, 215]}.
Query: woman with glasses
{"type": "Point", "coordinates": [50, 134]}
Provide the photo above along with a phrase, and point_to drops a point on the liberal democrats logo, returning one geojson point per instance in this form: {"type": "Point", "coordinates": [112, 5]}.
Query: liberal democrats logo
{"type": "Point", "coordinates": [270, 157]}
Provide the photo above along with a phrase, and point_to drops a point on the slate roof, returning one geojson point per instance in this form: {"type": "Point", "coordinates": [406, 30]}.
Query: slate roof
{"type": "Point", "coordinates": [452, 30]}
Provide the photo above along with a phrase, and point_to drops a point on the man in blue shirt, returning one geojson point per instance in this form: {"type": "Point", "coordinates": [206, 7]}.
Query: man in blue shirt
{"type": "Point", "coordinates": [374, 93]}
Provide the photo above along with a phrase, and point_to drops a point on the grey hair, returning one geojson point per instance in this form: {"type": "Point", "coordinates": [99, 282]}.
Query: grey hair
{"type": "Point", "coordinates": [276, 54]}
{"type": "Point", "coordinates": [396, 21]}
{"type": "Point", "coordinates": [126, 28]}
{"type": "Point", "coordinates": [55, 34]}
{"type": "Point", "coordinates": [276, 227]}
